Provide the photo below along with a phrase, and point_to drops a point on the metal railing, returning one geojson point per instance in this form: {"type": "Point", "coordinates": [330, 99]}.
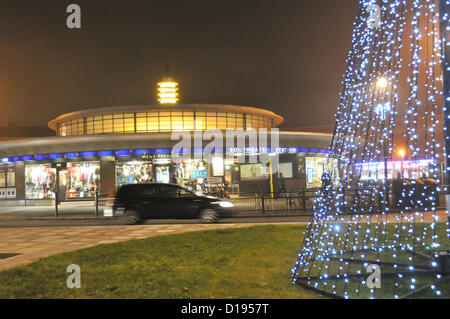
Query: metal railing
{"type": "Point", "coordinates": [86, 206]}
{"type": "Point", "coordinates": [300, 202]}
{"type": "Point", "coordinates": [293, 201]}
{"type": "Point", "coordinates": [303, 200]}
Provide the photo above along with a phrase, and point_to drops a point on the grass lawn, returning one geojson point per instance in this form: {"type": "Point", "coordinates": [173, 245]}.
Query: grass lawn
{"type": "Point", "coordinates": [251, 262]}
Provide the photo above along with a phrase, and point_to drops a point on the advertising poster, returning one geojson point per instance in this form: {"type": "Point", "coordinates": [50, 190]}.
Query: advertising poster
{"type": "Point", "coordinates": [254, 172]}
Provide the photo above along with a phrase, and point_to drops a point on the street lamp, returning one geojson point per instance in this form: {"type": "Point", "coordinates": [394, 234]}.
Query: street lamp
{"type": "Point", "coordinates": [382, 83]}
{"type": "Point", "coordinates": [401, 152]}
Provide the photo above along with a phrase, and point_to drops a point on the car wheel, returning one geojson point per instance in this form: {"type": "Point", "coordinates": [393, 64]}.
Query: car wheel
{"type": "Point", "coordinates": [131, 217]}
{"type": "Point", "coordinates": [209, 216]}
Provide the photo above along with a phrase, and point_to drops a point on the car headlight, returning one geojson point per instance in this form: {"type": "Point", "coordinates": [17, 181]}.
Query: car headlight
{"type": "Point", "coordinates": [108, 211]}
{"type": "Point", "coordinates": [224, 204]}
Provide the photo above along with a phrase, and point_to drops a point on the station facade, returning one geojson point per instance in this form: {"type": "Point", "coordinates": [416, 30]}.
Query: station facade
{"type": "Point", "coordinates": [98, 150]}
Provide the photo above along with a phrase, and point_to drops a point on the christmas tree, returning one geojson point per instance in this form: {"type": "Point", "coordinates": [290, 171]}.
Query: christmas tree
{"type": "Point", "coordinates": [377, 230]}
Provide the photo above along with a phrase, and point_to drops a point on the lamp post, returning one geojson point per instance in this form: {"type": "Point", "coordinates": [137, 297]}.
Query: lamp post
{"type": "Point", "coordinates": [401, 153]}
{"type": "Point", "coordinates": [382, 83]}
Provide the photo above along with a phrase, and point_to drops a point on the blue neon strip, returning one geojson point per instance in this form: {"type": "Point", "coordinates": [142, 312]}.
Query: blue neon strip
{"type": "Point", "coordinates": [71, 155]}
{"type": "Point", "coordinates": [141, 152]}
{"type": "Point", "coordinates": [104, 153]}
{"type": "Point", "coordinates": [122, 153]}
{"type": "Point", "coordinates": [88, 154]}
{"type": "Point", "coordinates": [161, 151]}
{"type": "Point", "coordinates": [216, 150]}
{"type": "Point", "coordinates": [156, 151]}
{"type": "Point", "coordinates": [39, 157]}
{"type": "Point", "coordinates": [54, 156]}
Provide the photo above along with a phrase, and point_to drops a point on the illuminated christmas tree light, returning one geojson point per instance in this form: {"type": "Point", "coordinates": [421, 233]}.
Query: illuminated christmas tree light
{"type": "Point", "coordinates": [364, 216]}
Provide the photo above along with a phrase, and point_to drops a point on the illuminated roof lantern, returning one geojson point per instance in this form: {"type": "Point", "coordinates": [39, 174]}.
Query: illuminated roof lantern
{"type": "Point", "coordinates": [167, 89]}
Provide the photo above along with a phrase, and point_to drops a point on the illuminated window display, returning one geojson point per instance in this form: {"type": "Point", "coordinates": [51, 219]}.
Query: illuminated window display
{"type": "Point", "coordinates": [254, 172]}
{"type": "Point", "coordinates": [190, 169]}
{"type": "Point", "coordinates": [191, 174]}
{"type": "Point", "coordinates": [81, 179]}
{"type": "Point", "coordinates": [163, 174]}
{"type": "Point", "coordinates": [11, 177]}
{"type": "Point", "coordinates": [312, 168]}
{"type": "Point", "coordinates": [133, 172]}
{"type": "Point", "coordinates": [314, 171]}
{"type": "Point", "coordinates": [395, 169]}
{"type": "Point", "coordinates": [229, 168]}
{"type": "Point", "coordinates": [218, 166]}
{"type": "Point", "coordinates": [3, 177]}
{"type": "Point", "coordinates": [286, 170]}
{"type": "Point", "coordinates": [7, 182]}
{"type": "Point", "coordinates": [40, 181]}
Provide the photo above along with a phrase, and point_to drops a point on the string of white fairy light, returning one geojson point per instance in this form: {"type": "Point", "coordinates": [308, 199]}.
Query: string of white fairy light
{"type": "Point", "coordinates": [373, 57]}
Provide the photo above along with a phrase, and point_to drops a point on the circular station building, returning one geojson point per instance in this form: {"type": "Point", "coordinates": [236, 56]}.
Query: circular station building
{"type": "Point", "coordinates": [98, 150]}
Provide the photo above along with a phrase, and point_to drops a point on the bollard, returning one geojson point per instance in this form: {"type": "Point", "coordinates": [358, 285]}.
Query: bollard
{"type": "Point", "coordinates": [96, 203]}
{"type": "Point", "coordinates": [262, 203]}
{"type": "Point", "coordinates": [56, 204]}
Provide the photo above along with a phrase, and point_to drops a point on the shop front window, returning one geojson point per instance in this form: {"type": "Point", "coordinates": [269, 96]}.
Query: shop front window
{"type": "Point", "coordinates": [134, 172]}
{"type": "Point", "coordinates": [2, 177]}
{"type": "Point", "coordinates": [192, 174]}
{"type": "Point", "coordinates": [162, 164]}
{"type": "Point", "coordinates": [396, 169]}
{"type": "Point", "coordinates": [40, 181]}
{"type": "Point", "coordinates": [11, 177]}
{"type": "Point", "coordinates": [80, 180]}
{"type": "Point", "coordinates": [285, 170]}
{"type": "Point", "coordinates": [314, 171]}
{"type": "Point", "coordinates": [313, 168]}
{"type": "Point", "coordinates": [251, 172]}
{"type": "Point", "coordinates": [229, 168]}
{"type": "Point", "coordinates": [7, 182]}
{"type": "Point", "coordinates": [163, 174]}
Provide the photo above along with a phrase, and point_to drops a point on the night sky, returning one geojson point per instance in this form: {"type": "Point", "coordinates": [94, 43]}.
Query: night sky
{"type": "Point", "coordinates": [284, 55]}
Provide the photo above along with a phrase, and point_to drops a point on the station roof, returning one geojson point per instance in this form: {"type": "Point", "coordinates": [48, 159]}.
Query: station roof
{"type": "Point", "coordinates": [172, 107]}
